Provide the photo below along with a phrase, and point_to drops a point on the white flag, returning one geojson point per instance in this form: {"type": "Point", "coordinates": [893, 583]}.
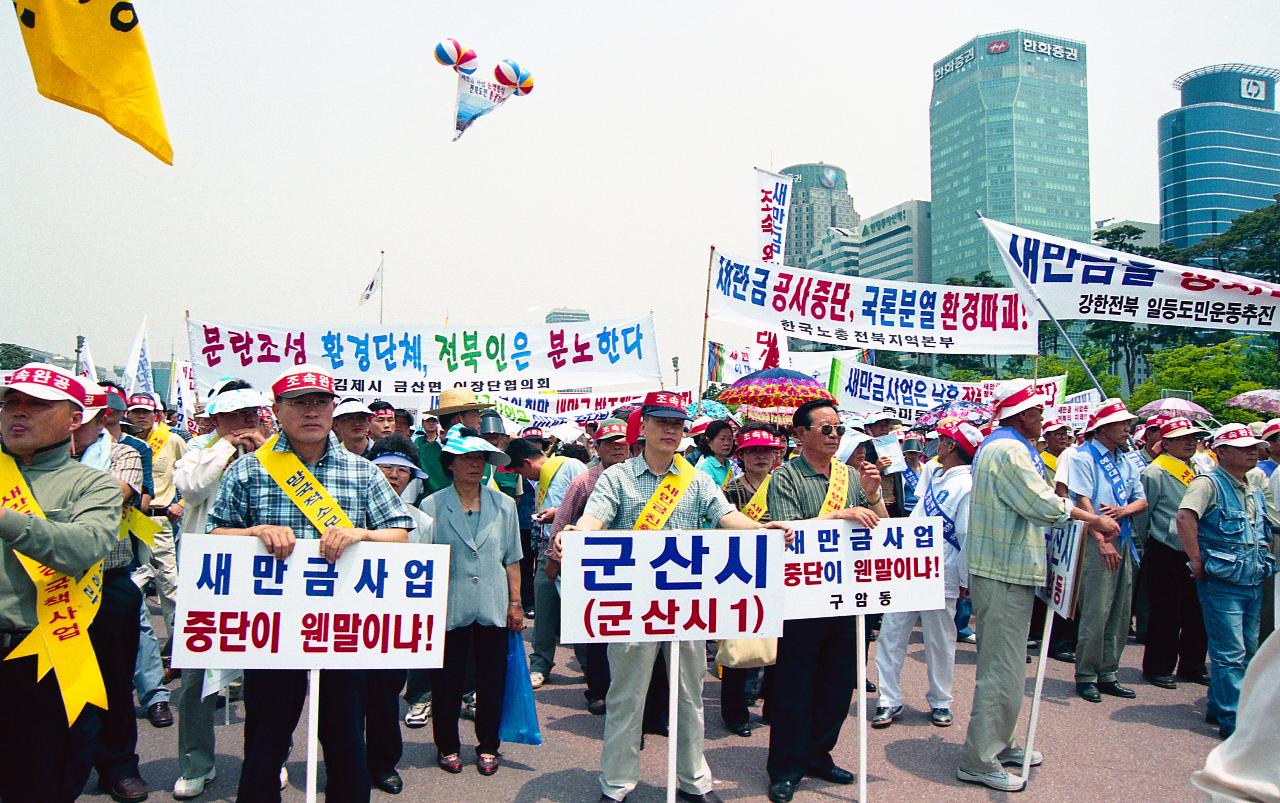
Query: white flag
{"type": "Point", "coordinates": [88, 369]}
{"type": "Point", "coordinates": [373, 285]}
{"type": "Point", "coordinates": [137, 369]}
{"type": "Point", "coordinates": [182, 393]}
{"type": "Point", "coordinates": [774, 196]}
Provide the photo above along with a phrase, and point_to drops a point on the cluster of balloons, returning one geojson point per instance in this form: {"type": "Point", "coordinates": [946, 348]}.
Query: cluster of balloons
{"type": "Point", "coordinates": [464, 61]}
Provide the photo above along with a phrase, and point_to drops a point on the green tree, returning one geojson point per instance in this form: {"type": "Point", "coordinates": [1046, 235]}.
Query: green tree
{"type": "Point", "coordinates": [1251, 246]}
{"type": "Point", "coordinates": [1077, 379]}
{"type": "Point", "coordinates": [13, 356]}
{"type": "Point", "coordinates": [1213, 374]}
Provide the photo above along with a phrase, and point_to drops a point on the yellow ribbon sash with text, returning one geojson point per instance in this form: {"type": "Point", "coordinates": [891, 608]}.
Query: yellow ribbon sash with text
{"type": "Point", "coordinates": [548, 473]}
{"type": "Point", "coordinates": [64, 610]}
{"type": "Point", "coordinates": [837, 489]}
{"type": "Point", "coordinates": [158, 437]}
{"type": "Point", "coordinates": [139, 524]}
{"type": "Point", "coordinates": [759, 504]}
{"type": "Point", "coordinates": [1050, 461]}
{"type": "Point", "coordinates": [663, 502]}
{"type": "Point", "coordinates": [302, 488]}
{"type": "Point", "coordinates": [1182, 472]}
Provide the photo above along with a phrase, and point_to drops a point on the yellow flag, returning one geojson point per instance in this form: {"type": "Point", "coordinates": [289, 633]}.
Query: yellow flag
{"type": "Point", "coordinates": [90, 55]}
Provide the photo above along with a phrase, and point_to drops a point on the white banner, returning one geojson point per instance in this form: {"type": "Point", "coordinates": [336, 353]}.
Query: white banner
{"type": "Point", "coordinates": [379, 606]}
{"type": "Point", "coordinates": [817, 364]}
{"type": "Point", "coordinates": [182, 394]}
{"type": "Point", "coordinates": [865, 388]}
{"type": "Point", "coordinates": [836, 568]}
{"type": "Point", "coordinates": [670, 585]}
{"type": "Point", "coordinates": [775, 208]}
{"type": "Point", "coordinates": [1063, 547]}
{"type": "Point", "coordinates": [1090, 396]}
{"type": "Point", "coordinates": [553, 409]}
{"type": "Point", "coordinates": [871, 313]}
{"type": "Point", "coordinates": [88, 369]}
{"type": "Point", "coordinates": [396, 360]}
{"type": "Point", "coordinates": [137, 368]}
{"type": "Point", "coordinates": [727, 364]}
{"type": "Point", "coordinates": [1075, 415]}
{"type": "Point", "coordinates": [1089, 282]}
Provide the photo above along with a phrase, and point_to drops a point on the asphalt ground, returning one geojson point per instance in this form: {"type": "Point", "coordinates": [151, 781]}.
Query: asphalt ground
{"type": "Point", "coordinates": [1140, 749]}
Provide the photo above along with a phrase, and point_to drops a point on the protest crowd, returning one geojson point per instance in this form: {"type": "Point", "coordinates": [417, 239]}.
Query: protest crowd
{"type": "Point", "coordinates": [101, 485]}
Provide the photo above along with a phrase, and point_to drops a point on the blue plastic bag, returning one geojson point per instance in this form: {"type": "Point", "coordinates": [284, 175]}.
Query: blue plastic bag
{"type": "Point", "coordinates": [519, 722]}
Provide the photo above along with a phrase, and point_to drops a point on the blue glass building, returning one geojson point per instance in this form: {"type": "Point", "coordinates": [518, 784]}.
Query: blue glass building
{"type": "Point", "coordinates": [820, 199]}
{"type": "Point", "coordinates": [1219, 152]}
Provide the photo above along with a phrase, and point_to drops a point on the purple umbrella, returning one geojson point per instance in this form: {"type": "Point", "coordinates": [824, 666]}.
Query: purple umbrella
{"type": "Point", "coordinates": [1174, 407]}
{"type": "Point", "coordinates": [973, 412]}
{"type": "Point", "coordinates": [1266, 402]}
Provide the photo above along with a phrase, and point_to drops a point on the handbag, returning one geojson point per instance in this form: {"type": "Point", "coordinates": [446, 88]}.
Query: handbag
{"type": "Point", "coordinates": [747, 653]}
{"type": "Point", "coordinates": [519, 722]}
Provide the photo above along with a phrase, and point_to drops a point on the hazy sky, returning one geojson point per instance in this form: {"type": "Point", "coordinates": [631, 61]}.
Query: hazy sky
{"type": "Point", "coordinates": [309, 136]}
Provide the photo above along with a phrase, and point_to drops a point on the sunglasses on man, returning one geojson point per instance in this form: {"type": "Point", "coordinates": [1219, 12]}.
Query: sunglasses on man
{"type": "Point", "coordinates": [827, 429]}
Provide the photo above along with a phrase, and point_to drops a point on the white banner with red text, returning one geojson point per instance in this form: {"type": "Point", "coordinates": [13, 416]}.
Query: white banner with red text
{"type": "Point", "coordinates": [378, 605]}
{"type": "Point", "coordinates": [774, 199]}
{"type": "Point", "coordinates": [1089, 282]}
{"type": "Point", "coordinates": [857, 312]}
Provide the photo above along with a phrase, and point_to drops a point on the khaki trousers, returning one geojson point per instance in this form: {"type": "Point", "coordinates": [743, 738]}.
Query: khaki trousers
{"type": "Point", "coordinates": [1106, 599]}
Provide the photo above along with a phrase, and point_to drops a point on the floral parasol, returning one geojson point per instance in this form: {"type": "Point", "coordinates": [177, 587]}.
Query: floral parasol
{"type": "Point", "coordinates": [1266, 402]}
{"type": "Point", "coordinates": [774, 387]}
{"type": "Point", "coordinates": [973, 412]}
{"type": "Point", "coordinates": [1175, 408]}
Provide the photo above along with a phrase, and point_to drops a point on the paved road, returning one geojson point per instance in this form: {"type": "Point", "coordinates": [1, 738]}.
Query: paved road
{"type": "Point", "coordinates": [1140, 749]}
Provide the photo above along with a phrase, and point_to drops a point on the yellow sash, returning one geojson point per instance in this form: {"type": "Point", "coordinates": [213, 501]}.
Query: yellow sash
{"type": "Point", "coordinates": [140, 525]}
{"type": "Point", "coordinates": [1050, 461]}
{"type": "Point", "coordinates": [550, 468]}
{"type": "Point", "coordinates": [837, 489]}
{"type": "Point", "coordinates": [64, 609]}
{"type": "Point", "coordinates": [759, 504]}
{"type": "Point", "coordinates": [303, 489]}
{"type": "Point", "coordinates": [1182, 472]}
{"type": "Point", "coordinates": [663, 502]}
{"type": "Point", "coordinates": [158, 437]}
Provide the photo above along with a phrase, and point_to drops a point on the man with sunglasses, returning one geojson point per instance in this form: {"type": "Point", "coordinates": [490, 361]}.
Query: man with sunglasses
{"type": "Point", "coordinates": [252, 502]}
{"type": "Point", "coordinates": [815, 655]}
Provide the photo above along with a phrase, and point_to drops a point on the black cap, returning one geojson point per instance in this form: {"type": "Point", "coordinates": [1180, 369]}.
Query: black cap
{"type": "Point", "coordinates": [521, 449]}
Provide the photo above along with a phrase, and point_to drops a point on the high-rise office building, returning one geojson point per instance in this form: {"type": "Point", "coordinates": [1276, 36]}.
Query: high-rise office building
{"type": "Point", "coordinates": [567, 315]}
{"type": "Point", "coordinates": [896, 244]}
{"type": "Point", "coordinates": [1219, 151]}
{"type": "Point", "coordinates": [1008, 137]}
{"type": "Point", "coordinates": [836, 252]}
{"type": "Point", "coordinates": [820, 199]}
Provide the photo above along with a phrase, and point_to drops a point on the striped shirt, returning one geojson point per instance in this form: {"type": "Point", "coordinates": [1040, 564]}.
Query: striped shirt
{"type": "Point", "coordinates": [623, 491]}
{"type": "Point", "coordinates": [797, 491]}
{"type": "Point", "coordinates": [124, 463]}
{"type": "Point", "coordinates": [739, 495]}
{"type": "Point", "coordinates": [1008, 511]}
{"type": "Point", "coordinates": [248, 496]}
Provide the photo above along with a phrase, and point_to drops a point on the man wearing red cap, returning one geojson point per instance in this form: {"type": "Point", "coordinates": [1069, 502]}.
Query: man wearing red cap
{"type": "Point", "coordinates": [635, 494]}
{"type": "Point", "coordinates": [1102, 480]}
{"type": "Point", "coordinates": [252, 502]}
{"type": "Point", "coordinates": [65, 516]}
{"type": "Point", "coordinates": [1222, 528]}
{"type": "Point", "coordinates": [1175, 631]}
{"type": "Point", "coordinates": [1008, 511]}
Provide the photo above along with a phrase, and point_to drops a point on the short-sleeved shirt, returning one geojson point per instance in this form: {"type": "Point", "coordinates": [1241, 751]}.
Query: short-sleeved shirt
{"type": "Point", "coordinates": [248, 496]}
{"type": "Point", "coordinates": [144, 454]}
{"type": "Point", "coordinates": [1085, 477]}
{"type": "Point", "coordinates": [568, 470]}
{"type": "Point", "coordinates": [623, 491]}
{"type": "Point", "coordinates": [1164, 494]}
{"type": "Point", "coordinates": [162, 462]}
{"type": "Point", "coordinates": [717, 470]}
{"type": "Point", "coordinates": [798, 490]}
{"type": "Point", "coordinates": [1202, 494]}
{"type": "Point", "coordinates": [739, 495]}
{"type": "Point", "coordinates": [124, 464]}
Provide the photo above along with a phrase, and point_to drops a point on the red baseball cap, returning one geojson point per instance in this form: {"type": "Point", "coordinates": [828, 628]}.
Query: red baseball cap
{"type": "Point", "coordinates": [611, 429]}
{"type": "Point", "coordinates": [300, 380]}
{"type": "Point", "coordinates": [758, 437]}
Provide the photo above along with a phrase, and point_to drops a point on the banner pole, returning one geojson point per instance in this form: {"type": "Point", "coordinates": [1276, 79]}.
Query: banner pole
{"type": "Point", "coordinates": [313, 729]}
{"type": "Point", "coordinates": [673, 718]}
{"type": "Point", "coordinates": [706, 316]}
{"type": "Point", "coordinates": [1035, 695]}
{"type": "Point", "coordinates": [382, 283]}
{"type": "Point", "coordinates": [861, 679]}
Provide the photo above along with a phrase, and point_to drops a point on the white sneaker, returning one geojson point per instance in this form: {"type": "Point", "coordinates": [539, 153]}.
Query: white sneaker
{"type": "Point", "coordinates": [1014, 756]}
{"type": "Point", "coordinates": [536, 679]}
{"type": "Point", "coordinates": [999, 780]}
{"type": "Point", "coordinates": [187, 788]}
{"type": "Point", "coordinates": [284, 778]}
{"type": "Point", "coordinates": [418, 715]}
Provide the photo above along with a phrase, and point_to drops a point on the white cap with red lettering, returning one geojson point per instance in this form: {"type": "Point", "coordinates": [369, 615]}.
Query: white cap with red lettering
{"type": "Point", "coordinates": [1109, 412]}
{"type": "Point", "coordinates": [143, 401]}
{"type": "Point", "coordinates": [1237, 435]}
{"type": "Point", "coordinates": [1015, 395]}
{"type": "Point", "coordinates": [49, 382]}
{"type": "Point", "coordinates": [301, 380]}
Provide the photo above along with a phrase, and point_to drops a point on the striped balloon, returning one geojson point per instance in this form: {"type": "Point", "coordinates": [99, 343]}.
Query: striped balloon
{"type": "Point", "coordinates": [449, 52]}
{"type": "Point", "coordinates": [525, 83]}
{"type": "Point", "coordinates": [467, 62]}
{"type": "Point", "coordinates": [507, 73]}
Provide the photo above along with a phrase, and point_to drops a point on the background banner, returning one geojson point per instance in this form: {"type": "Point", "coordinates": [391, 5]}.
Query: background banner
{"type": "Point", "coordinates": [865, 388]}
{"type": "Point", "coordinates": [775, 207]}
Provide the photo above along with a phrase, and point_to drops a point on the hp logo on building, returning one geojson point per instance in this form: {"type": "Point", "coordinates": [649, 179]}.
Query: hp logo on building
{"type": "Point", "coordinates": [1253, 89]}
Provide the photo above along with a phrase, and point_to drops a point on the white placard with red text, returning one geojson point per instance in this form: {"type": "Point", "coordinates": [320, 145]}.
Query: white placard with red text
{"type": "Point", "coordinates": [379, 606]}
{"type": "Point", "coordinates": [670, 585]}
{"type": "Point", "coordinates": [839, 568]}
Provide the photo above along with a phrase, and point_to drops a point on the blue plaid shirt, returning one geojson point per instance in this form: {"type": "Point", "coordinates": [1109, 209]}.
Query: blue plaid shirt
{"type": "Point", "coordinates": [624, 489]}
{"type": "Point", "coordinates": [248, 496]}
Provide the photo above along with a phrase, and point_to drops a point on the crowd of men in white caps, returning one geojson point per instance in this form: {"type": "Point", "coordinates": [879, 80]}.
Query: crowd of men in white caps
{"type": "Point", "coordinates": [1178, 519]}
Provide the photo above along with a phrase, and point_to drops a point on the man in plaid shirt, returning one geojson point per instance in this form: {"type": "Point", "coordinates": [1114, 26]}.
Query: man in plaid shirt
{"type": "Point", "coordinates": [250, 503]}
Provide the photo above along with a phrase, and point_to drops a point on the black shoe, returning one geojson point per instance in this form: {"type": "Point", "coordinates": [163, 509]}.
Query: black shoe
{"type": "Point", "coordinates": [705, 797]}
{"type": "Point", "coordinates": [833, 774]}
{"type": "Point", "coordinates": [1116, 690]}
{"type": "Point", "coordinates": [160, 715]}
{"type": "Point", "coordinates": [1163, 681]}
{"type": "Point", "coordinates": [389, 782]}
{"type": "Point", "coordinates": [1202, 678]}
{"type": "Point", "coordinates": [871, 688]}
{"type": "Point", "coordinates": [1065, 656]}
{"type": "Point", "coordinates": [1089, 691]}
{"type": "Point", "coordinates": [129, 790]}
{"type": "Point", "coordinates": [661, 730]}
{"type": "Point", "coordinates": [782, 791]}
{"type": "Point", "coordinates": [607, 799]}
{"type": "Point", "coordinates": [596, 707]}
{"type": "Point", "coordinates": [741, 729]}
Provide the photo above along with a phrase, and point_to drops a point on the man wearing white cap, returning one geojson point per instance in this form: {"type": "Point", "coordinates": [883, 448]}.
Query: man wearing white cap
{"type": "Point", "coordinates": [1057, 437]}
{"type": "Point", "coordinates": [1102, 480]}
{"type": "Point", "coordinates": [1175, 632]}
{"type": "Point", "coordinates": [252, 501]}
{"type": "Point", "coordinates": [234, 414]}
{"type": "Point", "coordinates": [351, 422]}
{"type": "Point", "coordinates": [1221, 525]}
{"type": "Point", "coordinates": [43, 758]}
{"type": "Point", "coordinates": [1008, 511]}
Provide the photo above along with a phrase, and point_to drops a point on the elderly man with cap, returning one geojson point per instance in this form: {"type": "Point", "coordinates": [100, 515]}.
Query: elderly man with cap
{"type": "Point", "coordinates": [1057, 439]}
{"type": "Point", "coordinates": [944, 492]}
{"type": "Point", "coordinates": [622, 500]}
{"type": "Point", "coordinates": [552, 476]}
{"type": "Point", "coordinates": [252, 502]}
{"type": "Point", "coordinates": [1010, 506]}
{"type": "Point", "coordinates": [1222, 528]}
{"type": "Point", "coordinates": [64, 516]}
{"type": "Point", "coordinates": [233, 410]}
{"type": "Point", "coordinates": [457, 406]}
{"type": "Point", "coordinates": [1102, 480]}
{"type": "Point", "coordinates": [352, 420]}
{"type": "Point", "coordinates": [1175, 632]}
